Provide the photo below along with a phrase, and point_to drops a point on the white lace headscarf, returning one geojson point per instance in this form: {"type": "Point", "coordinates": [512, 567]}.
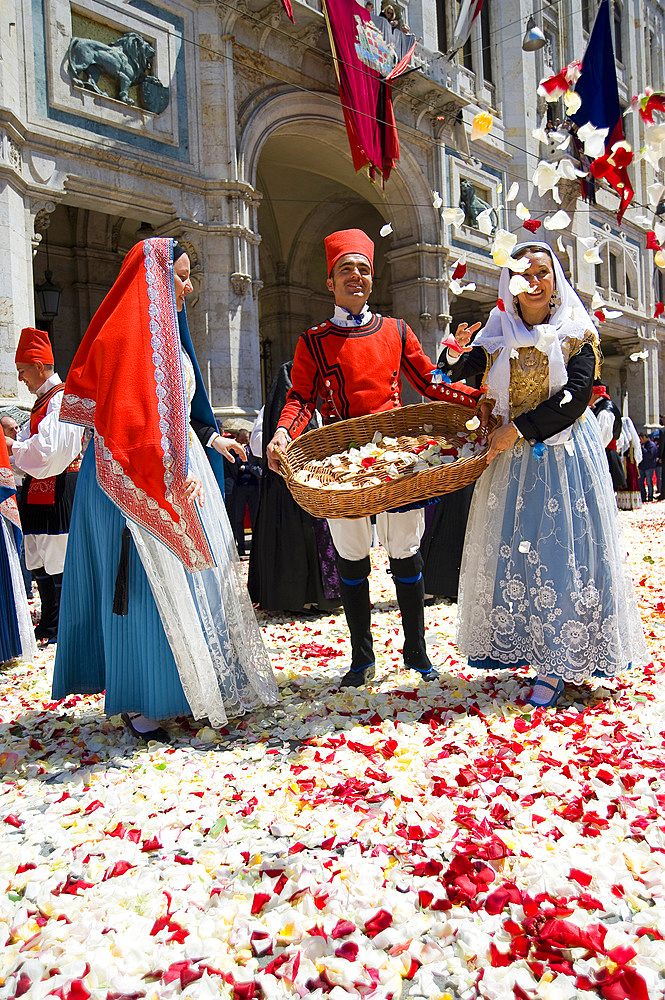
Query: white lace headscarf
{"type": "Point", "coordinates": [505, 331]}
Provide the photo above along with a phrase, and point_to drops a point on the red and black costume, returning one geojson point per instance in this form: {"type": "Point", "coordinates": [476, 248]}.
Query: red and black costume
{"type": "Point", "coordinates": [355, 365]}
{"type": "Point", "coordinates": [356, 371]}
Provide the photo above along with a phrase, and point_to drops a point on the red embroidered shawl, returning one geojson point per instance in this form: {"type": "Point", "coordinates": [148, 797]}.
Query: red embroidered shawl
{"type": "Point", "coordinates": [126, 381]}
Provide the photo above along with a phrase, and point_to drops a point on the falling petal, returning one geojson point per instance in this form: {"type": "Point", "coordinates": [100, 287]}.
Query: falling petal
{"type": "Point", "coordinates": [437, 200]}
{"type": "Point", "coordinates": [457, 288]}
{"type": "Point", "coordinates": [556, 196]}
{"type": "Point", "coordinates": [386, 230]}
{"type": "Point", "coordinates": [560, 245]}
{"type": "Point", "coordinates": [587, 241]}
{"type": "Point", "coordinates": [560, 220]}
{"type": "Point", "coordinates": [593, 257]}
{"type": "Point", "coordinates": [545, 176]}
{"type": "Point", "coordinates": [566, 398]}
{"type": "Point", "coordinates": [512, 193]}
{"type": "Point", "coordinates": [481, 124]}
{"type": "Point", "coordinates": [484, 221]}
{"type": "Point", "coordinates": [572, 102]}
{"type": "Point", "coordinates": [659, 259]}
{"type": "Point", "coordinates": [593, 139]}
{"type": "Point", "coordinates": [453, 216]}
{"type": "Point", "coordinates": [518, 284]}
{"type": "Point", "coordinates": [541, 135]}
{"type": "Point", "coordinates": [597, 301]}
{"type": "Point", "coordinates": [612, 313]}
{"type": "Point", "coordinates": [521, 211]}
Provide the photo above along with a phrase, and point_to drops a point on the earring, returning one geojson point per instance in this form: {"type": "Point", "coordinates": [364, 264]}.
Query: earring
{"type": "Point", "coordinates": [555, 300]}
{"type": "Point", "coordinates": [516, 304]}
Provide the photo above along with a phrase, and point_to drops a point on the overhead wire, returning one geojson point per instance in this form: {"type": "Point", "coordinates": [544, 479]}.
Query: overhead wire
{"type": "Point", "coordinates": [334, 100]}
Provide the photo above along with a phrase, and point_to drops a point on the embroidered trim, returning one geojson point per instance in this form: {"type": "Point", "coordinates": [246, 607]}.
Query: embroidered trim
{"type": "Point", "coordinates": [9, 508]}
{"type": "Point", "coordinates": [7, 478]}
{"type": "Point", "coordinates": [184, 537]}
{"type": "Point", "coordinates": [75, 410]}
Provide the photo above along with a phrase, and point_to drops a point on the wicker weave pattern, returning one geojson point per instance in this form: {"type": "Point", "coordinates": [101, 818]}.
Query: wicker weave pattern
{"type": "Point", "coordinates": [444, 418]}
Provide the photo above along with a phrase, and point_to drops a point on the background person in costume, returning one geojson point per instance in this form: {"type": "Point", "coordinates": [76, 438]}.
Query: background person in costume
{"type": "Point", "coordinates": [154, 608]}
{"type": "Point", "coordinates": [543, 579]}
{"type": "Point", "coordinates": [292, 560]}
{"type": "Point", "coordinates": [630, 451]}
{"type": "Point", "coordinates": [16, 633]}
{"type": "Point", "coordinates": [47, 453]}
{"type": "Point", "coordinates": [609, 422]}
{"type": "Point", "coordinates": [355, 362]}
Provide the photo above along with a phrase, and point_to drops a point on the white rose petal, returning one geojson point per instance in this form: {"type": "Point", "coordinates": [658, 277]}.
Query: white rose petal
{"type": "Point", "coordinates": [566, 398]}
{"type": "Point", "coordinates": [572, 102]}
{"type": "Point", "coordinates": [484, 220]}
{"type": "Point", "coordinates": [457, 288]}
{"type": "Point", "coordinates": [593, 139]}
{"type": "Point", "coordinates": [592, 256]}
{"type": "Point", "coordinates": [518, 284]}
{"type": "Point", "coordinates": [541, 135]}
{"type": "Point", "coordinates": [473, 423]}
{"type": "Point", "coordinates": [524, 547]}
{"type": "Point", "coordinates": [522, 212]}
{"type": "Point", "coordinates": [545, 177]}
{"type": "Point", "coordinates": [437, 200]}
{"type": "Point", "coordinates": [386, 230]}
{"type": "Point", "coordinates": [512, 193]}
{"type": "Point", "coordinates": [453, 216]}
{"type": "Point", "coordinates": [560, 220]}
{"type": "Point", "coordinates": [654, 193]}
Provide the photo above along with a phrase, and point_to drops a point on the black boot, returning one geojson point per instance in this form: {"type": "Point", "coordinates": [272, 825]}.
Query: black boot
{"type": "Point", "coordinates": [47, 628]}
{"type": "Point", "coordinates": [410, 587]}
{"type": "Point", "coordinates": [49, 587]}
{"type": "Point", "coordinates": [354, 590]}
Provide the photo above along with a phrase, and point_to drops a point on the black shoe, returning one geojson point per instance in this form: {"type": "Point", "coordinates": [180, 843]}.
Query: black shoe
{"type": "Point", "coordinates": [431, 674]}
{"type": "Point", "coordinates": [159, 735]}
{"type": "Point", "coordinates": [356, 678]}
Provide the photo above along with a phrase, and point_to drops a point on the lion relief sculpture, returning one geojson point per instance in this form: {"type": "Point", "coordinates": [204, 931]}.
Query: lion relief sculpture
{"type": "Point", "coordinates": [126, 60]}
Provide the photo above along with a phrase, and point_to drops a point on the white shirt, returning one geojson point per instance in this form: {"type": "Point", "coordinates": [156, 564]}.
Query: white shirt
{"type": "Point", "coordinates": [54, 446]}
{"type": "Point", "coordinates": [606, 426]}
{"type": "Point", "coordinates": [342, 317]}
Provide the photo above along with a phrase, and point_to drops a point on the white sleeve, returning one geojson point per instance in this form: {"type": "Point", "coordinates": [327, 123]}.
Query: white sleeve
{"type": "Point", "coordinates": [606, 425]}
{"type": "Point", "coordinates": [52, 448]}
{"type": "Point", "coordinates": [256, 437]}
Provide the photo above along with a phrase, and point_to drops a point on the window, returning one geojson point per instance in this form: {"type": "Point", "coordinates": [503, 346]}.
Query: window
{"type": "Point", "coordinates": [486, 43]}
{"type": "Point", "coordinates": [618, 33]}
{"type": "Point", "coordinates": [614, 272]}
{"type": "Point", "coordinates": [598, 276]}
{"type": "Point", "coordinates": [629, 287]}
{"type": "Point", "coordinates": [586, 15]}
{"type": "Point", "coordinates": [441, 26]}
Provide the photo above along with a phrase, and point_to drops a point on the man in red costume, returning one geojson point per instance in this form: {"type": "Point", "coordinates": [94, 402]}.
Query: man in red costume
{"type": "Point", "coordinates": [47, 453]}
{"type": "Point", "coordinates": [354, 363]}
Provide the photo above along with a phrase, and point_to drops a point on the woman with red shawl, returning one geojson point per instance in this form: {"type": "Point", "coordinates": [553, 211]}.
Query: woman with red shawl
{"type": "Point", "coordinates": [154, 606]}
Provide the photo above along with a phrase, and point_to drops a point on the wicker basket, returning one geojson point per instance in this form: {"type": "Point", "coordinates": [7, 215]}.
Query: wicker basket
{"type": "Point", "coordinates": [444, 418]}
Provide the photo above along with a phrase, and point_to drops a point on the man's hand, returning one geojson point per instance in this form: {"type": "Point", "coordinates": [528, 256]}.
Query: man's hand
{"type": "Point", "coordinates": [226, 447]}
{"type": "Point", "coordinates": [278, 443]}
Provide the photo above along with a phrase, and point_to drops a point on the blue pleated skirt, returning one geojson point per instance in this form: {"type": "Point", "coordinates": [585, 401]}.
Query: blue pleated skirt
{"type": "Point", "coordinates": [10, 640]}
{"type": "Point", "coordinates": [127, 656]}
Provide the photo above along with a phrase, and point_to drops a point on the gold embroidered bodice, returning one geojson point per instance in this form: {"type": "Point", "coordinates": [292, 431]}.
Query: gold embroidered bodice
{"type": "Point", "coordinates": [529, 372]}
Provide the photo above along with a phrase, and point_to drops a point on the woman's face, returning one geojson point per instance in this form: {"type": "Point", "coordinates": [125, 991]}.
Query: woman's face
{"type": "Point", "coordinates": [183, 285]}
{"type": "Point", "coordinates": [540, 275]}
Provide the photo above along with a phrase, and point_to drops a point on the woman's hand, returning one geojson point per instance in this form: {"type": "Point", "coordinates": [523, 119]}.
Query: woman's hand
{"type": "Point", "coordinates": [501, 439]}
{"type": "Point", "coordinates": [194, 489]}
{"type": "Point", "coordinates": [464, 333]}
{"type": "Point", "coordinates": [226, 447]}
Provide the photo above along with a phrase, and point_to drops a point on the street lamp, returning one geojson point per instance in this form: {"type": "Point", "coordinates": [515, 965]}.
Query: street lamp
{"type": "Point", "coordinates": [48, 293]}
{"type": "Point", "coordinates": [534, 38]}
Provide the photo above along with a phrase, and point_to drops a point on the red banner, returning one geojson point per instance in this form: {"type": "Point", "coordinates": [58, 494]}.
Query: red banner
{"type": "Point", "coordinates": [367, 55]}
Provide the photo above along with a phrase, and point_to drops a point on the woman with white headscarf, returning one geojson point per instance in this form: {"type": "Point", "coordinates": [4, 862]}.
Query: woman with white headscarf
{"type": "Point", "coordinates": [543, 579]}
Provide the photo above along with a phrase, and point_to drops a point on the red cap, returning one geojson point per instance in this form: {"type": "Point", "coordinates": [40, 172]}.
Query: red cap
{"type": "Point", "coordinates": [348, 241]}
{"type": "Point", "coordinates": [600, 390]}
{"type": "Point", "coordinates": [34, 346]}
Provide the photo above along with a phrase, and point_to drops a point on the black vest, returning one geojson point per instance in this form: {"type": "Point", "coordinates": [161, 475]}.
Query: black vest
{"type": "Point", "coordinates": [607, 404]}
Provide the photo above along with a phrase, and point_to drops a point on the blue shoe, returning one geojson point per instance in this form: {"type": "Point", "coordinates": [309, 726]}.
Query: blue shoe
{"type": "Point", "coordinates": [431, 674]}
{"type": "Point", "coordinates": [356, 677]}
{"type": "Point", "coordinates": [556, 689]}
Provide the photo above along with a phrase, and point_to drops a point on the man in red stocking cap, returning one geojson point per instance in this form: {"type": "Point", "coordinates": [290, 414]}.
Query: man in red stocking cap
{"type": "Point", "coordinates": [354, 363]}
{"type": "Point", "coordinates": [609, 421]}
{"type": "Point", "coordinates": [47, 452]}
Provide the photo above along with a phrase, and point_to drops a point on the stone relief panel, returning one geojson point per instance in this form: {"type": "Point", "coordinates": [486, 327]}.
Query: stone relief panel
{"type": "Point", "coordinates": [113, 63]}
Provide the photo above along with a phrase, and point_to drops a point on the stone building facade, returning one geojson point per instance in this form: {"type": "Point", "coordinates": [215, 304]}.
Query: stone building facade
{"type": "Point", "coordinates": [248, 164]}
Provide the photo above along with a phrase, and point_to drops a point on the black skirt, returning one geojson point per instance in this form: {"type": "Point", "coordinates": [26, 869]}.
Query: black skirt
{"type": "Point", "coordinates": [48, 519]}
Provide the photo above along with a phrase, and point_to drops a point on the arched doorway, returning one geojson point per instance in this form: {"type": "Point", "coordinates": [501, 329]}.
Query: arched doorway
{"type": "Point", "coordinates": [295, 153]}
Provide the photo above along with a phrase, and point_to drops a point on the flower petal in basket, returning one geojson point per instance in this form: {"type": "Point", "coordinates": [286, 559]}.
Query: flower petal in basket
{"type": "Point", "coordinates": [445, 418]}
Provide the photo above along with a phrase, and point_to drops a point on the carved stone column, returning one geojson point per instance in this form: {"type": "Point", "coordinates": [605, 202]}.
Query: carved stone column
{"type": "Point", "coordinates": [16, 283]}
